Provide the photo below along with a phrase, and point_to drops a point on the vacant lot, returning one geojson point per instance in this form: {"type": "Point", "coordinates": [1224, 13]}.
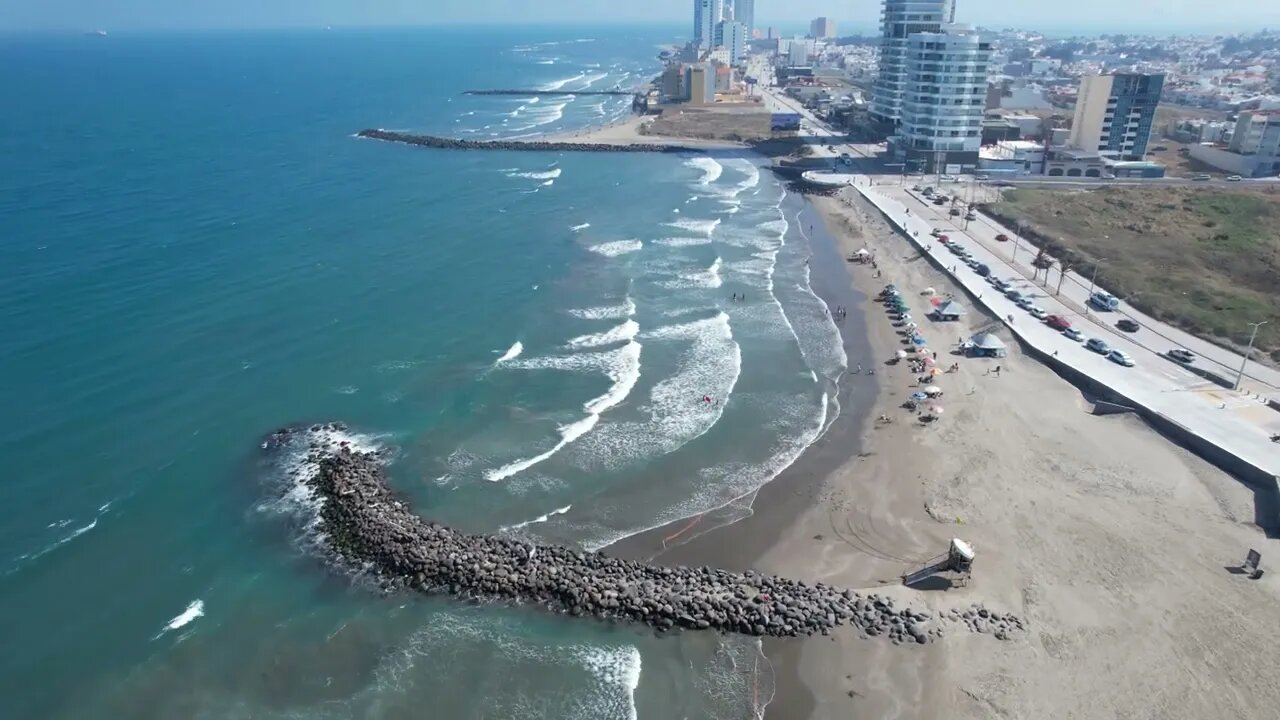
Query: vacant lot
{"type": "Point", "coordinates": [1206, 260]}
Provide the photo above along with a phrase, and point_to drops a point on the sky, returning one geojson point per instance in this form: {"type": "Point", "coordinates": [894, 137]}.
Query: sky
{"type": "Point", "coordinates": [1100, 15]}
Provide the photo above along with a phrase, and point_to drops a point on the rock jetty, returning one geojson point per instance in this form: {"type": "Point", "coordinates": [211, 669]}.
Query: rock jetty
{"type": "Point", "coordinates": [442, 143]}
{"type": "Point", "coordinates": [548, 92]}
{"type": "Point", "coordinates": [368, 528]}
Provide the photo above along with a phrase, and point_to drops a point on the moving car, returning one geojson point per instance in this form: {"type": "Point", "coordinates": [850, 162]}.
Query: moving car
{"type": "Point", "coordinates": [971, 215]}
{"type": "Point", "coordinates": [982, 177]}
{"type": "Point", "coordinates": [1201, 177]}
{"type": "Point", "coordinates": [1074, 334]}
{"type": "Point", "coordinates": [949, 178]}
{"type": "Point", "coordinates": [1234, 178]}
{"type": "Point", "coordinates": [1128, 325]}
{"type": "Point", "coordinates": [1002, 238]}
{"type": "Point", "coordinates": [1037, 312]}
{"type": "Point", "coordinates": [1181, 355]}
{"type": "Point", "coordinates": [1104, 301]}
{"type": "Point", "coordinates": [955, 212]}
{"type": "Point", "coordinates": [1057, 322]}
{"type": "Point", "coordinates": [1120, 357]}
{"type": "Point", "coordinates": [1098, 345]}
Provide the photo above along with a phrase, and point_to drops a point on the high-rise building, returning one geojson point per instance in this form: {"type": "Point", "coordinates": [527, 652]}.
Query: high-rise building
{"type": "Point", "coordinates": [706, 13]}
{"type": "Point", "coordinates": [1115, 113]}
{"type": "Point", "coordinates": [943, 97]}
{"type": "Point", "coordinates": [732, 35]}
{"type": "Point", "coordinates": [823, 27]}
{"type": "Point", "coordinates": [700, 81]}
{"type": "Point", "coordinates": [899, 19]}
{"type": "Point", "coordinates": [744, 11]}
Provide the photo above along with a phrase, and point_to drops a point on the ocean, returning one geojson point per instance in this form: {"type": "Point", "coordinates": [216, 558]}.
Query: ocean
{"type": "Point", "coordinates": [195, 251]}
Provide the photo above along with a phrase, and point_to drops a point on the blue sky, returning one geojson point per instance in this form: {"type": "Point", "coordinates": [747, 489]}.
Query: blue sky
{"type": "Point", "coordinates": [1218, 15]}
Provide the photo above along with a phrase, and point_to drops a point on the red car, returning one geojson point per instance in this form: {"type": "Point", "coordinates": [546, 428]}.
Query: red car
{"type": "Point", "coordinates": [944, 239]}
{"type": "Point", "coordinates": [1002, 237]}
{"type": "Point", "coordinates": [1057, 322]}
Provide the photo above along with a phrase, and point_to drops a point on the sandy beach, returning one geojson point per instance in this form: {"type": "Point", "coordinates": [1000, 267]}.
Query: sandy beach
{"type": "Point", "coordinates": [628, 132]}
{"type": "Point", "coordinates": [1111, 542]}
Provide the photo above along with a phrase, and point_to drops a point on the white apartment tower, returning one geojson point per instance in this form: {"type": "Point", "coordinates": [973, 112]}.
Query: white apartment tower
{"type": "Point", "coordinates": [943, 97]}
{"type": "Point", "coordinates": [732, 36]}
{"type": "Point", "coordinates": [706, 15]}
{"type": "Point", "coordinates": [899, 19]}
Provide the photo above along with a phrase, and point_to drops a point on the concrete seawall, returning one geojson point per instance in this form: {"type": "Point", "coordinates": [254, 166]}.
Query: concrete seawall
{"type": "Point", "coordinates": [432, 141]}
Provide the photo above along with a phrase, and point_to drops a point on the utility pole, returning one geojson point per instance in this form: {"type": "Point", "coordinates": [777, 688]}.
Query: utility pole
{"type": "Point", "coordinates": [1094, 278]}
{"type": "Point", "coordinates": [1253, 335]}
{"type": "Point", "coordinates": [1016, 236]}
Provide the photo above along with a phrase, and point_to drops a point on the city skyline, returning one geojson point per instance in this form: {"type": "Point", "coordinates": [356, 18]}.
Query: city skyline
{"type": "Point", "coordinates": [859, 15]}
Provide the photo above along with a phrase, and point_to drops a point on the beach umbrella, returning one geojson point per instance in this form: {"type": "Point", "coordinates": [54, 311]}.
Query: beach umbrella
{"type": "Point", "coordinates": [919, 341]}
{"type": "Point", "coordinates": [935, 409]}
{"type": "Point", "coordinates": [901, 354]}
{"type": "Point", "coordinates": [928, 360]}
{"type": "Point", "coordinates": [919, 396]}
{"type": "Point", "coordinates": [932, 390]}
{"type": "Point", "coordinates": [935, 301]}
{"type": "Point", "coordinates": [912, 326]}
{"type": "Point", "coordinates": [928, 291]}
{"type": "Point", "coordinates": [935, 371]}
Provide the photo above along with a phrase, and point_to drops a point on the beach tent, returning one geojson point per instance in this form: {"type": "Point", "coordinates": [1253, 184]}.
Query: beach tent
{"type": "Point", "coordinates": [950, 310]}
{"type": "Point", "coordinates": [918, 341]}
{"type": "Point", "coordinates": [933, 390]}
{"type": "Point", "coordinates": [987, 345]}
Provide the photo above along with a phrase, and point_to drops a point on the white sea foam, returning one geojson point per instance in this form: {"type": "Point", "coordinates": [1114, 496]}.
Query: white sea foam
{"type": "Point", "coordinates": [557, 84]}
{"type": "Point", "coordinates": [626, 331]}
{"type": "Point", "coordinates": [709, 278]}
{"type": "Point", "coordinates": [616, 247]}
{"type": "Point", "coordinates": [546, 62]}
{"type": "Point", "coordinates": [512, 352]}
{"type": "Point", "coordinates": [711, 169]}
{"type": "Point", "coordinates": [548, 183]}
{"type": "Point", "coordinates": [708, 365]}
{"type": "Point", "coordinates": [539, 519]}
{"type": "Point", "coordinates": [537, 175]}
{"type": "Point", "coordinates": [682, 241]}
{"type": "Point", "coordinates": [579, 228]}
{"type": "Point", "coordinates": [193, 611]}
{"type": "Point", "coordinates": [701, 227]}
{"type": "Point", "coordinates": [617, 671]}
{"type": "Point", "coordinates": [622, 366]}
{"type": "Point", "coordinates": [607, 312]}
{"type": "Point", "coordinates": [591, 79]}
{"type": "Point", "coordinates": [752, 173]}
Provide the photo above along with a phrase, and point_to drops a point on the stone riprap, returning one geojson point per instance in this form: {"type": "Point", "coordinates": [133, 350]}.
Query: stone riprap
{"type": "Point", "coordinates": [431, 141]}
{"type": "Point", "coordinates": [366, 527]}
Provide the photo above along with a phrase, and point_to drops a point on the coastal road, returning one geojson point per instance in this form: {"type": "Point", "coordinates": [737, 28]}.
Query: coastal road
{"type": "Point", "coordinates": [1235, 422]}
{"type": "Point", "coordinates": [1075, 289]}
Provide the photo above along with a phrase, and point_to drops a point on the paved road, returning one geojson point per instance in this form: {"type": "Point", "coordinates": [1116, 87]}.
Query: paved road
{"type": "Point", "coordinates": [1233, 421]}
{"type": "Point", "coordinates": [1153, 334]}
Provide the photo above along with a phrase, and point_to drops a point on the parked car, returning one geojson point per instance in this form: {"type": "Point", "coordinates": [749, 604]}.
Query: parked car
{"type": "Point", "coordinates": [1024, 302]}
{"type": "Point", "coordinates": [955, 212]}
{"type": "Point", "coordinates": [1104, 301]}
{"type": "Point", "coordinates": [1128, 325]}
{"type": "Point", "coordinates": [982, 270]}
{"type": "Point", "coordinates": [1201, 177]}
{"type": "Point", "coordinates": [949, 178]}
{"type": "Point", "coordinates": [1002, 238]}
{"type": "Point", "coordinates": [1037, 312]}
{"type": "Point", "coordinates": [1098, 345]}
{"type": "Point", "coordinates": [1234, 178]}
{"type": "Point", "coordinates": [972, 262]}
{"type": "Point", "coordinates": [956, 248]}
{"type": "Point", "coordinates": [916, 188]}
{"type": "Point", "coordinates": [1120, 357]}
{"type": "Point", "coordinates": [944, 239]}
{"type": "Point", "coordinates": [971, 215]}
{"type": "Point", "coordinates": [939, 200]}
{"type": "Point", "coordinates": [1057, 322]}
{"type": "Point", "coordinates": [928, 190]}
{"type": "Point", "coordinates": [936, 232]}
{"type": "Point", "coordinates": [1014, 295]}
{"type": "Point", "coordinates": [982, 177]}
{"type": "Point", "coordinates": [999, 284]}
{"type": "Point", "coordinates": [1074, 334]}
{"type": "Point", "coordinates": [1182, 355]}
{"type": "Point", "coordinates": [1160, 148]}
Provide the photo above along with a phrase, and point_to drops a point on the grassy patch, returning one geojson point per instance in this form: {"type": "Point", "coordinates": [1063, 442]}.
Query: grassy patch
{"type": "Point", "coordinates": [1204, 259]}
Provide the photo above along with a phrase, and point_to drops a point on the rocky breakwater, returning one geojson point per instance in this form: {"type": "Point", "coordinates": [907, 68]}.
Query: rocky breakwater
{"type": "Point", "coordinates": [367, 527]}
{"type": "Point", "coordinates": [432, 141]}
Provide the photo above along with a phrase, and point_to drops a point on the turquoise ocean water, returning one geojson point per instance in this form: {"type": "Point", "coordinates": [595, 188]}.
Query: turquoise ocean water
{"type": "Point", "coordinates": [194, 250]}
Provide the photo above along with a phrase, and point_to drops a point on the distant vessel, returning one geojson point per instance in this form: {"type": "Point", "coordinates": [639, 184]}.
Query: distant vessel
{"type": "Point", "coordinates": [97, 33]}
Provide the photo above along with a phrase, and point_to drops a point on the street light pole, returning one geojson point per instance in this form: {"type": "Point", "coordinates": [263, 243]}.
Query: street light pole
{"type": "Point", "coordinates": [1016, 236]}
{"type": "Point", "coordinates": [1247, 353]}
{"type": "Point", "coordinates": [1094, 278]}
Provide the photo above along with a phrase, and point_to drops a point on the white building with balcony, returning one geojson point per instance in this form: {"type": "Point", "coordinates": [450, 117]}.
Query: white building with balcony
{"type": "Point", "coordinates": [943, 99]}
{"type": "Point", "coordinates": [899, 19]}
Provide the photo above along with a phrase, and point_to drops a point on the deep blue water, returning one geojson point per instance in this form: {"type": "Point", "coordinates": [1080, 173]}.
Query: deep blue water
{"type": "Point", "coordinates": [194, 250]}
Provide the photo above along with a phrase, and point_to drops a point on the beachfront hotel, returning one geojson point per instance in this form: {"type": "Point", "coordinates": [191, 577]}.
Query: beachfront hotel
{"type": "Point", "coordinates": [943, 99]}
{"type": "Point", "coordinates": [899, 20]}
{"type": "Point", "coordinates": [706, 15]}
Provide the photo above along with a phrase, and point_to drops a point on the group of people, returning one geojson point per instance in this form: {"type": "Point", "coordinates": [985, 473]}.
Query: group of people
{"type": "Point", "coordinates": [841, 312]}
{"type": "Point", "coordinates": [739, 297]}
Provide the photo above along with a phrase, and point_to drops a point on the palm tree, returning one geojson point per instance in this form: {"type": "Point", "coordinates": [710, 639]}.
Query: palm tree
{"type": "Point", "coordinates": [1065, 265]}
{"type": "Point", "coordinates": [1038, 263]}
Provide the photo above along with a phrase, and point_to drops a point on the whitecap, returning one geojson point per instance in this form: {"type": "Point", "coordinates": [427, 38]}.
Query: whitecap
{"type": "Point", "coordinates": [682, 241]}
{"type": "Point", "coordinates": [193, 611]}
{"type": "Point", "coordinates": [607, 312]}
{"type": "Point", "coordinates": [711, 169]}
{"type": "Point", "coordinates": [557, 84]}
{"type": "Point", "coordinates": [617, 247]}
{"type": "Point", "coordinates": [512, 353]}
{"type": "Point", "coordinates": [709, 278]}
{"type": "Point", "coordinates": [579, 228]}
{"type": "Point", "coordinates": [626, 331]}
{"type": "Point", "coordinates": [551, 174]}
{"type": "Point", "coordinates": [548, 183]}
{"type": "Point", "coordinates": [701, 227]}
{"type": "Point", "coordinates": [540, 519]}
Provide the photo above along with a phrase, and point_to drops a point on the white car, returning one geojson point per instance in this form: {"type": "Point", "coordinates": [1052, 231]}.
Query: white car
{"type": "Point", "coordinates": [1037, 312]}
{"type": "Point", "coordinates": [1234, 178]}
{"type": "Point", "coordinates": [1120, 357]}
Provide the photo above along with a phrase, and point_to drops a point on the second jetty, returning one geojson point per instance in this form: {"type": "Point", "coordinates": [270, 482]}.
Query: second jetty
{"type": "Point", "coordinates": [443, 143]}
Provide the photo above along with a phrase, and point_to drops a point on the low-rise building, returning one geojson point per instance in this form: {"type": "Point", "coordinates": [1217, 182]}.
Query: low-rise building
{"type": "Point", "coordinates": [1012, 157]}
{"type": "Point", "coordinates": [1073, 162]}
